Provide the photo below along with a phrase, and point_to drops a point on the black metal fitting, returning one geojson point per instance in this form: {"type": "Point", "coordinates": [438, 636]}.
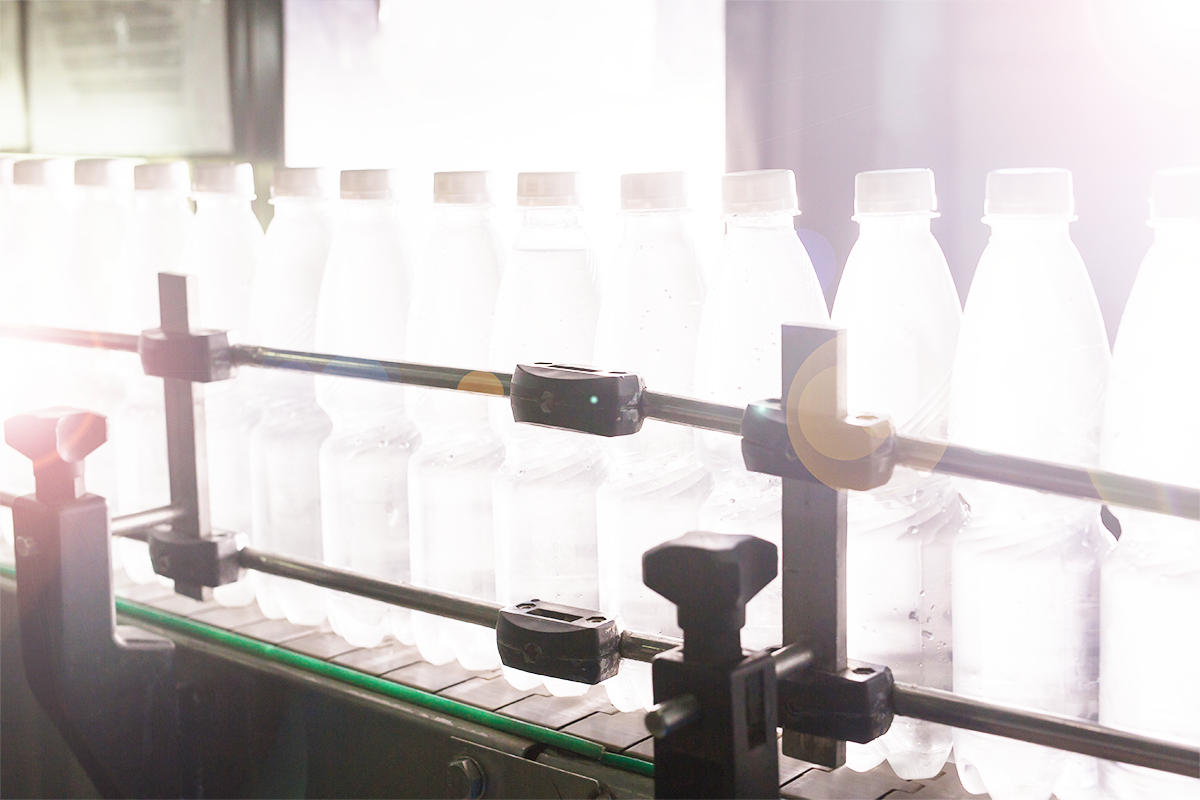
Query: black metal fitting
{"type": "Point", "coordinates": [577, 398]}
{"type": "Point", "coordinates": [850, 453]}
{"type": "Point", "coordinates": [723, 741]}
{"type": "Point", "coordinates": [201, 356]}
{"type": "Point", "coordinates": [109, 689]}
{"type": "Point", "coordinates": [574, 644]}
{"type": "Point", "coordinates": [194, 563]}
{"type": "Point", "coordinates": [853, 705]}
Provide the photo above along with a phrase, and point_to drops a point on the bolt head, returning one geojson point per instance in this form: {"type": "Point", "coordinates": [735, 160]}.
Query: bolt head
{"type": "Point", "coordinates": [56, 434]}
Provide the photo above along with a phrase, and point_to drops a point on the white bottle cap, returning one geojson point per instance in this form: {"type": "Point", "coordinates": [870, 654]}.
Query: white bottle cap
{"type": "Point", "coordinates": [314, 182]}
{"type": "Point", "coordinates": [52, 173]}
{"type": "Point", "coordinates": [548, 189]}
{"type": "Point", "coordinates": [105, 173]}
{"type": "Point", "coordinates": [1175, 194]}
{"type": "Point", "coordinates": [466, 188]}
{"type": "Point", "coordinates": [894, 191]}
{"type": "Point", "coordinates": [368, 184]}
{"type": "Point", "coordinates": [760, 191]}
{"type": "Point", "coordinates": [6, 170]}
{"type": "Point", "coordinates": [165, 176]}
{"type": "Point", "coordinates": [652, 191]}
{"type": "Point", "coordinates": [235, 179]}
{"type": "Point", "coordinates": [1029, 193]}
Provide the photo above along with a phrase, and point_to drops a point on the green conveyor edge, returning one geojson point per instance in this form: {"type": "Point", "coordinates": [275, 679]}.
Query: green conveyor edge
{"type": "Point", "coordinates": [444, 705]}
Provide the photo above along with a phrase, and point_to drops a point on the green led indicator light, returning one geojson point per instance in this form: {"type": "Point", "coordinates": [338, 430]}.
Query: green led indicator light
{"type": "Point", "coordinates": [595, 399]}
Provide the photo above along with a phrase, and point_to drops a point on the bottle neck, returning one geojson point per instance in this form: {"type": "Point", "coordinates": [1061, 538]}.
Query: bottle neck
{"type": "Point", "coordinates": [293, 207]}
{"type": "Point", "coordinates": [1175, 231]}
{"type": "Point", "coordinates": [367, 210]}
{"type": "Point", "coordinates": [657, 220]}
{"type": "Point", "coordinates": [460, 214]}
{"type": "Point", "coordinates": [755, 222]}
{"type": "Point", "coordinates": [222, 202]}
{"type": "Point", "coordinates": [893, 224]}
{"type": "Point", "coordinates": [1029, 227]}
{"type": "Point", "coordinates": [550, 216]}
{"type": "Point", "coordinates": [152, 200]}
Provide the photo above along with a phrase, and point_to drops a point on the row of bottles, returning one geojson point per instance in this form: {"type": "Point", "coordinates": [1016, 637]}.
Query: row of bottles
{"type": "Point", "coordinates": [445, 490]}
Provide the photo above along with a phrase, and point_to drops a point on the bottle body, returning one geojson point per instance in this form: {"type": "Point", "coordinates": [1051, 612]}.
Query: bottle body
{"type": "Point", "coordinates": [649, 323]}
{"type": "Point", "coordinates": [898, 304]}
{"type": "Point", "coordinates": [1154, 571]}
{"type": "Point", "coordinates": [450, 478]}
{"type": "Point", "coordinates": [363, 311]}
{"type": "Point", "coordinates": [1026, 568]}
{"type": "Point", "coordinates": [764, 279]}
{"type": "Point", "coordinates": [154, 243]}
{"type": "Point", "coordinates": [286, 441]}
{"type": "Point", "coordinates": [544, 500]}
{"type": "Point", "coordinates": [222, 250]}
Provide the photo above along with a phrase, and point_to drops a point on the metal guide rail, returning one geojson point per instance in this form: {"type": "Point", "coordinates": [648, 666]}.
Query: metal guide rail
{"type": "Point", "coordinates": [815, 446]}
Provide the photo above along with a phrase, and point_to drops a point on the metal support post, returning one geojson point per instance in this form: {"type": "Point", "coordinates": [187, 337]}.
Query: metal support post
{"type": "Point", "coordinates": [814, 522]}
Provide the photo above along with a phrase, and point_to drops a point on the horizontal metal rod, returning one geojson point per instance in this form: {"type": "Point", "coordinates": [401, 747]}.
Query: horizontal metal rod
{"type": "Point", "coordinates": [7, 499]}
{"type": "Point", "coordinates": [693, 413]}
{"type": "Point", "coordinates": [135, 526]}
{"type": "Point", "coordinates": [455, 378]}
{"type": "Point", "coordinates": [1045, 476]}
{"type": "Point", "coordinates": [101, 340]}
{"type": "Point", "coordinates": [1051, 730]}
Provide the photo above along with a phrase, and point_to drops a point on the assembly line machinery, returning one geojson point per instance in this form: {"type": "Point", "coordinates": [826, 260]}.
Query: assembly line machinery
{"type": "Point", "coordinates": [158, 707]}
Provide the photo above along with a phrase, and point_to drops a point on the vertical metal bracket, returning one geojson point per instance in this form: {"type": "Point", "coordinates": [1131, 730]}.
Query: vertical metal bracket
{"type": "Point", "coordinates": [814, 523]}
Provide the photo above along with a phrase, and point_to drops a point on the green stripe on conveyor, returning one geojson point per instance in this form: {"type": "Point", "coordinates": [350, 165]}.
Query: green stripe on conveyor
{"type": "Point", "coordinates": [454, 708]}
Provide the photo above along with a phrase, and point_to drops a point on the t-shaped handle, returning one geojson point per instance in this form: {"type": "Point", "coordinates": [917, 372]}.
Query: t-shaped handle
{"type": "Point", "coordinates": [710, 577]}
{"type": "Point", "coordinates": [57, 440]}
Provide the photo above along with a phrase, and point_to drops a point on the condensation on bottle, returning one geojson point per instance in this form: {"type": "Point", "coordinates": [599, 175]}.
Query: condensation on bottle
{"type": "Point", "coordinates": [544, 500]}
{"type": "Point", "coordinates": [764, 279]}
{"type": "Point", "coordinates": [901, 313]}
{"type": "Point", "coordinates": [649, 324]}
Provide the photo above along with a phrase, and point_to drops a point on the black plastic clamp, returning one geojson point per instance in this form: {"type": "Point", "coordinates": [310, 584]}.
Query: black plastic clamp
{"type": "Point", "coordinates": [201, 356]}
{"type": "Point", "coordinates": [854, 705]}
{"type": "Point", "coordinates": [850, 453]}
{"type": "Point", "coordinates": [577, 398]}
{"type": "Point", "coordinates": [556, 641]}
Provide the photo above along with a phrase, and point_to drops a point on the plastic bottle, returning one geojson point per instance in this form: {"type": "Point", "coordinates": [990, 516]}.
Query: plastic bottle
{"type": "Point", "coordinates": [153, 243]}
{"type": "Point", "coordinates": [7, 212]}
{"type": "Point", "coordinates": [1029, 380]}
{"type": "Point", "coordinates": [31, 270]}
{"type": "Point", "coordinates": [764, 278]}
{"type": "Point", "coordinates": [285, 481]}
{"type": "Point", "coordinates": [901, 312]}
{"type": "Point", "coordinates": [222, 250]}
{"type": "Point", "coordinates": [544, 503]}
{"type": "Point", "coordinates": [450, 478]}
{"type": "Point", "coordinates": [649, 323]}
{"type": "Point", "coordinates": [363, 311]}
{"type": "Point", "coordinates": [1152, 577]}
{"type": "Point", "coordinates": [99, 220]}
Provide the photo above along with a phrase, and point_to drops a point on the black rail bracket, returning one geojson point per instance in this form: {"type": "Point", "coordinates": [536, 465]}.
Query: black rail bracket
{"type": "Point", "coordinates": [577, 398]}
{"type": "Point", "coordinates": [855, 452]}
{"type": "Point", "coordinates": [202, 356]}
{"type": "Point", "coordinates": [556, 641]}
{"type": "Point", "coordinates": [195, 564]}
{"type": "Point", "coordinates": [853, 705]}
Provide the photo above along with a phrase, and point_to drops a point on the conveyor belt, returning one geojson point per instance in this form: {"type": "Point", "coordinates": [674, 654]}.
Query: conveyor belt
{"type": "Point", "coordinates": [587, 726]}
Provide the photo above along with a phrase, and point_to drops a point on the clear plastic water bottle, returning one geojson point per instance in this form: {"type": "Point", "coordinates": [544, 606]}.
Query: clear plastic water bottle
{"type": "Point", "coordinates": [363, 311]}
{"type": "Point", "coordinates": [153, 243]}
{"type": "Point", "coordinates": [32, 267]}
{"type": "Point", "coordinates": [544, 503]}
{"type": "Point", "coordinates": [222, 250]}
{"type": "Point", "coordinates": [285, 480]}
{"type": "Point", "coordinates": [1029, 380]}
{"type": "Point", "coordinates": [99, 221]}
{"type": "Point", "coordinates": [450, 478]}
{"type": "Point", "coordinates": [649, 324]}
{"type": "Point", "coordinates": [1153, 574]}
{"type": "Point", "coordinates": [764, 279]}
{"type": "Point", "coordinates": [901, 312]}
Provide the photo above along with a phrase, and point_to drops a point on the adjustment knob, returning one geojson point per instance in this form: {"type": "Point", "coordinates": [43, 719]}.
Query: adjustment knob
{"type": "Point", "coordinates": [57, 440]}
